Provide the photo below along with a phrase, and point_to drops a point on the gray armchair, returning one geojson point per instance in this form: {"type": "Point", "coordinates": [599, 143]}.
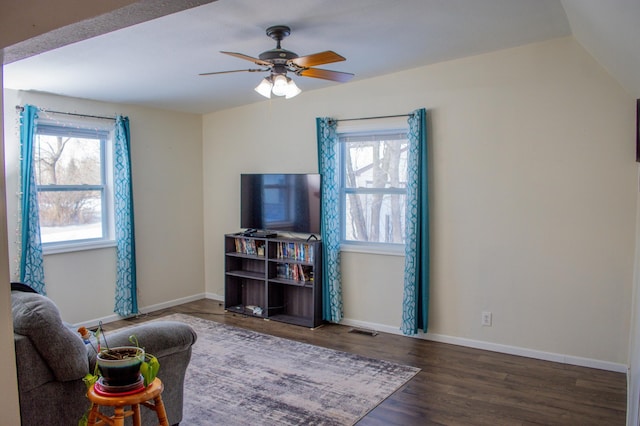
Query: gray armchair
{"type": "Point", "coordinates": [52, 359]}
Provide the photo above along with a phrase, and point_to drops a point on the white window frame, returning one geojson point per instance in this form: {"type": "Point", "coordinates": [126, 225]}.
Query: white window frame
{"type": "Point", "coordinates": [105, 135]}
{"type": "Point", "coordinates": [373, 129]}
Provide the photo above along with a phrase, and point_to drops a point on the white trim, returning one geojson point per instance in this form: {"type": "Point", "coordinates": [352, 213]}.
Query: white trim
{"type": "Point", "coordinates": [371, 125]}
{"type": "Point", "coordinates": [145, 310]}
{"type": "Point", "coordinates": [214, 296]}
{"type": "Point", "coordinates": [460, 341]}
{"type": "Point", "coordinates": [496, 347]}
{"type": "Point", "coordinates": [79, 246]}
{"type": "Point", "coordinates": [381, 249]}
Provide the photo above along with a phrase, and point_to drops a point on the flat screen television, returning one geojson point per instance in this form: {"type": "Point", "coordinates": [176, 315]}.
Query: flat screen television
{"type": "Point", "coordinates": [280, 202]}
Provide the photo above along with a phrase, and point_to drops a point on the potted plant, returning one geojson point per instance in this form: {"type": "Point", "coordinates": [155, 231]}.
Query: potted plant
{"type": "Point", "coordinates": [120, 365]}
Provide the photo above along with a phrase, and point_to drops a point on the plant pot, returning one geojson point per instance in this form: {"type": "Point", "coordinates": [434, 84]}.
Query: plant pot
{"type": "Point", "coordinates": [120, 366]}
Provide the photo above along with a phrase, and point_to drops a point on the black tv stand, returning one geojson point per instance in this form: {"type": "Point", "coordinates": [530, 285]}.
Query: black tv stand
{"type": "Point", "coordinates": [274, 278]}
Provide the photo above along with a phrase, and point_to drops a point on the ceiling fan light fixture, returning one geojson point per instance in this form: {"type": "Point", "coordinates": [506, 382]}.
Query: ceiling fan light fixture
{"type": "Point", "coordinates": [280, 85]}
{"type": "Point", "coordinates": [292, 90]}
{"type": "Point", "coordinates": [264, 88]}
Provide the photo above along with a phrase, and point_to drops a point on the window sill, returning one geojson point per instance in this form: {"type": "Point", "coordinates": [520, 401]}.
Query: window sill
{"type": "Point", "coordinates": [73, 247]}
{"type": "Point", "coordinates": [370, 249]}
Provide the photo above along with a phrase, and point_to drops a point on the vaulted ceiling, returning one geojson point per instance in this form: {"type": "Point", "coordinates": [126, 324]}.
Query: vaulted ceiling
{"type": "Point", "coordinates": [156, 63]}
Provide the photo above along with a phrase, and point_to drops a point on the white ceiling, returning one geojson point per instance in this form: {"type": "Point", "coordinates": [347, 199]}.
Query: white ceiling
{"type": "Point", "coordinates": [157, 63]}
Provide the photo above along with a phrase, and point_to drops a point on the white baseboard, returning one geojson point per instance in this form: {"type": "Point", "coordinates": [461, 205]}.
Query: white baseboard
{"type": "Point", "coordinates": [460, 341]}
{"type": "Point", "coordinates": [496, 347]}
{"type": "Point", "coordinates": [144, 310]}
{"type": "Point", "coordinates": [214, 296]}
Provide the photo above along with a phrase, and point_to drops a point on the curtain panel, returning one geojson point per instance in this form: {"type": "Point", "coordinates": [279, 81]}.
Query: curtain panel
{"type": "Point", "coordinates": [126, 301]}
{"type": "Point", "coordinates": [415, 312]}
{"type": "Point", "coordinates": [415, 308]}
{"type": "Point", "coordinates": [332, 308]}
{"type": "Point", "coordinates": [31, 259]}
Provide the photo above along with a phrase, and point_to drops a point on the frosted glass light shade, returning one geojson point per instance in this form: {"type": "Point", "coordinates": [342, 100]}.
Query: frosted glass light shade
{"type": "Point", "coordinates": [264, 88]}
{"type": "Point", "coordinates": [280, 84]}
{"type": "Point", "coordinates": [292, 90]}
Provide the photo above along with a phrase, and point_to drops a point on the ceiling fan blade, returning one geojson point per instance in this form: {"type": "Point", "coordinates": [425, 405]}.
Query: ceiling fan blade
{"type": "Point", "coordinates": [249, 58]}
{"type": "Point", "coordinates": [227, 72]}
{"type": "Point", "coordinates": [319, 58]}
{"type": "Point", "coordinates": [339, 76]}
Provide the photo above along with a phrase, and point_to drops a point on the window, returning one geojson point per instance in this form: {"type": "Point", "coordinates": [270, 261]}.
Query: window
{"type": "Point", "coordinates": [74, 187]}
{"type": "Point", "coordinates": [373, 176]}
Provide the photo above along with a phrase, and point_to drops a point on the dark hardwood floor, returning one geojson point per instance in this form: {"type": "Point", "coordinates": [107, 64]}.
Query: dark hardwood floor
{"type": "Point", "coordinates": [456, 385]}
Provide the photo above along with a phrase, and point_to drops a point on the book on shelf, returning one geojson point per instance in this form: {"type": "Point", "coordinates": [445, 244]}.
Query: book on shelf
{"type": "Point", "coordinates": [296, 251]}
{"type": "Point", "coordinates": [294, 271]}
{"type": "Point", "coordinates": [249, 246]}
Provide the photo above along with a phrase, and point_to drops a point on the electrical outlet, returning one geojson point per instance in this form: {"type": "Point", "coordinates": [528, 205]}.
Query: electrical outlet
{"type": "Point", "coordinates": [486, 319]}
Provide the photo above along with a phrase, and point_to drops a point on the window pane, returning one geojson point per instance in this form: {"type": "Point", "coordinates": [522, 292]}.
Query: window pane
{"type": "Point", "coordinates": [65, 160]}
{"type": "Point", "coordinates": [374, 182]}
{"type": "Point", "coordinates": [376, 164]}
{"type": "Point", "coordinates": [70, 215]}
{"type": "Point", "coordinates": [377, 218]}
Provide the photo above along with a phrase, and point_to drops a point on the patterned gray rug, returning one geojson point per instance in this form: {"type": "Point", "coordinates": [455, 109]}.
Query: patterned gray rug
{"type": "Point", "coordinates": [241, 377]}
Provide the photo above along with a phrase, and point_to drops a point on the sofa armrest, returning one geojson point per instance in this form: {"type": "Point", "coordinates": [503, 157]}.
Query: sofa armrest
{"type": "Point", "coordinates": [158, 338]}
{"type": "Point", "coordinates": [170, 342]}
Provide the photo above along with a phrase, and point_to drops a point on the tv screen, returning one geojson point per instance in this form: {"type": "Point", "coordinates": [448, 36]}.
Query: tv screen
{"type": "Point", "coordinates": [280, 202]}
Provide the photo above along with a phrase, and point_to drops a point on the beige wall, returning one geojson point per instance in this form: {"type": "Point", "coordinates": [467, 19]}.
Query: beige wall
{"type": "Point", "coordinates": [533, 183]}
{"type": "Point", "coordinates": [9, 403]}
{"type": "Point", "coordinates": [166, 160]}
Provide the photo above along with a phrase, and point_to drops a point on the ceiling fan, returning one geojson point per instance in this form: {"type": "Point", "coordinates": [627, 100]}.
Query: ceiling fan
{"type": "Point", "coordinates": [279, 61]}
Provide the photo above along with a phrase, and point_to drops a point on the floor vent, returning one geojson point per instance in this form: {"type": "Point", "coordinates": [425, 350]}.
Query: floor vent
{"type": "Point", "coordinates": [371, 333]}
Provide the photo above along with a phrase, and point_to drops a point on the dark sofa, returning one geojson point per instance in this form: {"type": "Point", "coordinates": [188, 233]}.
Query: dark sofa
{"type": "Point", "coordinates": [52, 359]}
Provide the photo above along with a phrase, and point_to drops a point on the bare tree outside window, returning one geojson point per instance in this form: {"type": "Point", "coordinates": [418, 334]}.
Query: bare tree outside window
{"type": "Point", "coordinates": [374, 171]}
{"type": "Point", "coordinates": [69, 176]}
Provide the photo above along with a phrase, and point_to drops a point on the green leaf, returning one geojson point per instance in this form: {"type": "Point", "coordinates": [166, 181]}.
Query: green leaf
{"type": "Point", "coordinates": [149, 369]}
{"type": "Point", "coordinates": [89, 379]}
{"type": "Point", "coordinates": [84, 420]}
{"type": "Point", "coordinates": [134, 339]}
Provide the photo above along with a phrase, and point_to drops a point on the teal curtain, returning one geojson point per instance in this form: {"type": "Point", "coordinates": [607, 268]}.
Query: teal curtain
{"type": "Point", "coordinates": [332, 309]}
{"type": "Point", "coordinates": [126, 301]}
{"type": "Point", "coordinates": [31, 261]}
{"type": "Point", "coordinates": [415, 312]}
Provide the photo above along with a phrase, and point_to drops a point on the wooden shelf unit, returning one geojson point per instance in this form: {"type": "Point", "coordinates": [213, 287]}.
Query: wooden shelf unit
{"type": "Point", "coordinates": [274, 278]}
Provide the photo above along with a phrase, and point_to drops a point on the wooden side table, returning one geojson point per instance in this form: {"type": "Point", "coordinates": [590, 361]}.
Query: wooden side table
{"type": "Point", "coordinates": [153, 392]}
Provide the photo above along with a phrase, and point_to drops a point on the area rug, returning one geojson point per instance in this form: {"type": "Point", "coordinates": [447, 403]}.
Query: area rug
{"type": "Point", "coordinates": [241, 377]}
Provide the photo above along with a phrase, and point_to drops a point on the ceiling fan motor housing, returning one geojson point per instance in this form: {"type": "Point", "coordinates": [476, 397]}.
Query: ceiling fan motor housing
{"type": "Point", "coordinates": [278, 56]}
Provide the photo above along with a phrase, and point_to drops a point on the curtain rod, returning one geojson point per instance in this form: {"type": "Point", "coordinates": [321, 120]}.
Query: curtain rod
{"type": "Point", "coordinates": [20, 108]}
{"type": "Point", "coordinates": [372, 118]}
